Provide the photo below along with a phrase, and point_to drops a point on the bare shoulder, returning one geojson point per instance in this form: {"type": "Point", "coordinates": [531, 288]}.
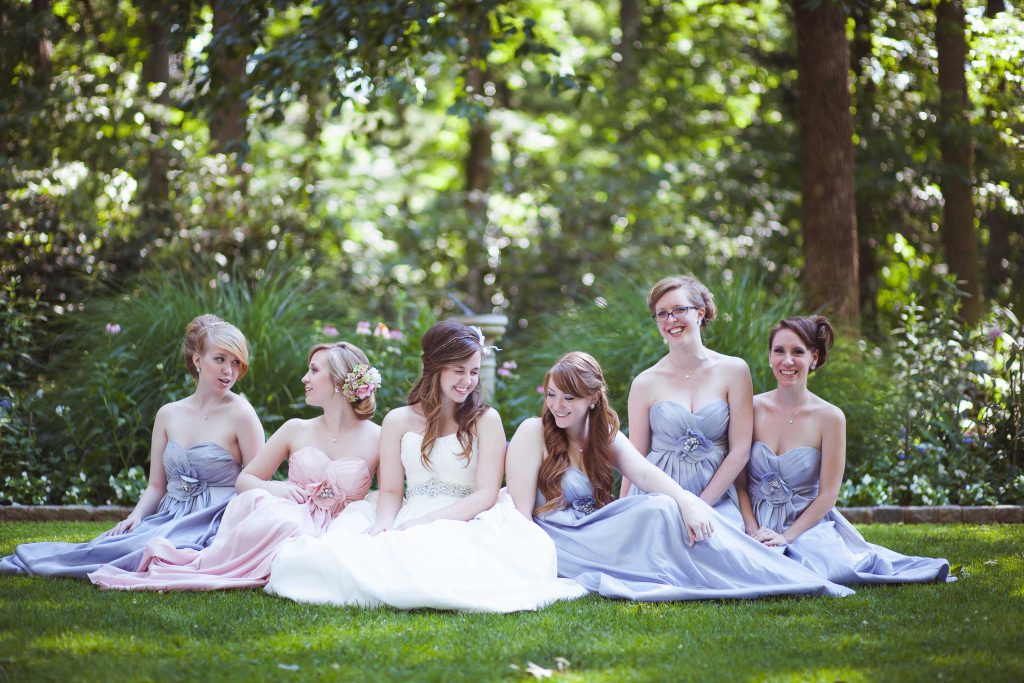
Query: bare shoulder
{"type": "Point", "coordinates": [531, 428]}
{"type": "Point", "coordinates": [403, 418]}
{"type": "Point", "coordinates": [293, 426]}
{"type": "Point", "coordinates": [644, 382]}
{"type": "Point", "coordinates": [762, 400]}
{"type": "Point", "coordinates": [734, 365]}
{"type": "Point", "coordinates": [170, 410]}
{"type": "Point", "coordinates": [370, 428]}
{"type": "Point", "coordinates": [491, 418]}
{"type": "Point", "coordinates": [240, 406]}
{"type": "Point", "coordinates": [833, 414]}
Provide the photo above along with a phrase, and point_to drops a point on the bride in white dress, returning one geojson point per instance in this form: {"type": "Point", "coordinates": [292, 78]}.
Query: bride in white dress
{"type": "Point", "coordinates": [453, 540]}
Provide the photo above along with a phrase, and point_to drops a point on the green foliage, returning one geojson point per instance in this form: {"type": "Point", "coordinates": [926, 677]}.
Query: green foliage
{"type": "Point", "coordinates": [22, 318]}
{"type": "Point", "coordinates": [68, 630]}
{"type": "Point", "coordinates": [121, 360]}
{"type": "Point", "coordinates": [946, 423]}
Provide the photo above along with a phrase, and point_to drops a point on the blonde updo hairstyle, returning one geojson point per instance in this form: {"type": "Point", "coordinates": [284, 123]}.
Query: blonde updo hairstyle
{"type": "Point", "coordinates": [207, 331]}
{"type": "Point", "coordinates": [341, 358]}
{"type": "Point", "coordinates": [699, 295]}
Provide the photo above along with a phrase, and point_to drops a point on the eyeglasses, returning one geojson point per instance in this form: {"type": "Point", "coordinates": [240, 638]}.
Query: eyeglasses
{"type": "Point", "coordinates": [676, 313]}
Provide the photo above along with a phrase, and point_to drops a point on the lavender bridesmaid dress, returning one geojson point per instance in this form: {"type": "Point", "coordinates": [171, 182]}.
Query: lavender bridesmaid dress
{"type": "Point", "coordinates": [255, 525]}
{"type": "Point", "coordinates": [636, 548]}
{"type": "Point", "coordinates": [690, 447]}
{"type": "Point", "coordinates": [200, 481]}
{"type": "Point", "coordinates": [782, 486]}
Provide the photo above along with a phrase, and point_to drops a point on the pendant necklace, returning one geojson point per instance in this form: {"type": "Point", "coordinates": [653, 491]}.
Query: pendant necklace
{"type": "Point", "coordinates": [686, 374]}
{"type": "Point", "coordinates": [795, 412]}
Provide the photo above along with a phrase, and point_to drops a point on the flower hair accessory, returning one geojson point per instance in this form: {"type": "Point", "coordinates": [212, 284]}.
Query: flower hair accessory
{"type": "Point", "coordinates": [361, 382]}
{"type": "Point", "coordinates": [487, 350]}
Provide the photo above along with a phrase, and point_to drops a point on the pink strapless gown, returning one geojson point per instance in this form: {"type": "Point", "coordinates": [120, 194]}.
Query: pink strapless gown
{"type": "Point", "coordinates": [254, 527]}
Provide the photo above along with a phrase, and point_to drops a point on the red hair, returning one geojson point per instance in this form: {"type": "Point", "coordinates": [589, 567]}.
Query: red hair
{"type": "Point", "coordinates": [577, 373]}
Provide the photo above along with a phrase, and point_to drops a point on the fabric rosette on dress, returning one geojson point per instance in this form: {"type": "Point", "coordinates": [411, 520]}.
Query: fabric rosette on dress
{"type": "Point", "coordinates": [636, 548]}
{"type": "Point", "coordinates": [496, 562]}
{"type": "Point", "coordinates": [255, 525]}
{"type": "Point", "coordinates": [690, 447]}
{"type": "Point", "coordinates": [200, 482]}
{"type": "Point", "coordinates": [782, 486]}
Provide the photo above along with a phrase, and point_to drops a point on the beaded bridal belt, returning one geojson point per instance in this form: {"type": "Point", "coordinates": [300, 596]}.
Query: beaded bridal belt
{"type": "Point", "coordinates": [437, 488]}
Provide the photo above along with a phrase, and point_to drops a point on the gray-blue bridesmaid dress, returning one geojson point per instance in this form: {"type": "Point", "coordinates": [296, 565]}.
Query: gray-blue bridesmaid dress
{"type": "Point", "coordinates": [200, 481]}
{"type": "Point", "coordinates": [636, 548]}
{"type": "Point", "coordinates": [690, 447]}
{"type": "Point", "coordinates": [782, 486]}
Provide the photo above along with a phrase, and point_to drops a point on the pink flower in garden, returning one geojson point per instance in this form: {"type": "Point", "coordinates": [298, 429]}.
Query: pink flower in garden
{"type": "Point", "coordinates": [382, 331]}
{"type": "Point", "coordinates": [397, 335]}
{"type": "Point", "coordinates": [330, 331]}
{"type": "Point", "coordinates": [113, 328]}
{"type": "Point", "coordinates": [363, 327]}
{"type": "Point", "coordinates": [510, 364]}
{"type": "Point", "coordinates": [504, 372]}
{"type": "Point", "coordinates": [994, 333]}
{"type": "Point", "coordinates": [540, 388]}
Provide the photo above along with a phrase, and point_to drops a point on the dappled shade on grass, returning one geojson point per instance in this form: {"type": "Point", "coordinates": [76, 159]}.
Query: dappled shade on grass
{"type": "Point", "coordinates": [970, 630]}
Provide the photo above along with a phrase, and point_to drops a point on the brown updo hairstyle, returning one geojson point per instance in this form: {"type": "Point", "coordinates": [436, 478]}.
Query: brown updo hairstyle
{"type": "Point", "coordinates": [342, 358]}
{"type": "Point", "coordinates": [815, 331]}
{"type": "Point", "coordinates": [446, 343]}
{"type": "Point", "coordinates": [699, 295]}
{"type": "Point", "coordinates": [207, 331]}
{"type": "Point", "coordinates": [577, 373]}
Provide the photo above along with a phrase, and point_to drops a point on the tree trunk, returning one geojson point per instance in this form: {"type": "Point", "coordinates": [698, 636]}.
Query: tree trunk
{"type": "Point", "coordinates": [959, 238]}
{"type": "Point", "coordinates": [156, 69]}
{"type": "Point", "coordinates": [994, 7]}
{"type": "Point", "coordinates": [997, 261]}
{"type": "Point", "coordinates": [868, 230]}
{"type": "Point", "coordinates": [478, 182]}
{"type": "Point", "coordinates": [630, 12]}
{"type": "Point", "coordinates": [231, 47]}
{"type": "Point", "coordinates": [41, 8]}
{"type": "Point", "coordinates": [827, 211]}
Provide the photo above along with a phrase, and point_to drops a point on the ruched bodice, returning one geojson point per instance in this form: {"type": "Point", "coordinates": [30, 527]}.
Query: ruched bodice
{"type": "Point", "coordinates": [691, 436]}
{"type": "Point", "coordinates": [193, 471]}
{"type": "Point", "coordinates": [782, 486]}
{"type": "Point", "coordinates": [690, 446]}
{"type": "Point", "coordinates": [447, 475]}
{"type": "Point", "coordinates": [577, 494]}
{"type": "Point", "coordinates": [330, 484]}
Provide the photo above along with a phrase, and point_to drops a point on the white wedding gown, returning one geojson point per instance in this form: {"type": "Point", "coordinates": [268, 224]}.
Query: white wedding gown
{"type": "Point", "coordinates": [496, 562]}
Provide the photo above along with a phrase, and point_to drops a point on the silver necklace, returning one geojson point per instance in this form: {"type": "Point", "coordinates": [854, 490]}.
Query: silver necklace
{"type": "Point", "coordinates": [686, 375]}
{"type": "Point", "coordinates": [801, 407]}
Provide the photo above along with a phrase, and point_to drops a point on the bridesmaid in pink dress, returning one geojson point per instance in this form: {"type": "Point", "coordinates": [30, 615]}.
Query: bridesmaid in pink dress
{"type": "Point", "coordinates": [331, 462]}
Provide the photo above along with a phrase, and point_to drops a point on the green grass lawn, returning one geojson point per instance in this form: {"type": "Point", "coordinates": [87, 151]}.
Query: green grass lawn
{"type": "Point", "coordinates": [970, 630]}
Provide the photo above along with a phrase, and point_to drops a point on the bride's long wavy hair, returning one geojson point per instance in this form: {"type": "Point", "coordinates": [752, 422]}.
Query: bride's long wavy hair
{"type": "Point", "coordinates": [577, 373]}
{"type": "Point", "coordinates": [446, 343]}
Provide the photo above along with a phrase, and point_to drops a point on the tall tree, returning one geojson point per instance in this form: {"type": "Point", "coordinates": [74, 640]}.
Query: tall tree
{"type": "Point", "coordinates": [867, 222]}
{"type": "Point", "coordinates": [827, 213]}
{"type": "Point", "coordinates": [630, 13]}
{"type": "Point", "coordinates": [478, 170]}
{"type": "Point", "coordinates": [156, 71]}
{"type": "Point", "coordinates": [232, 43]}
{"type": "Point", "coordinates": [959, 238]}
